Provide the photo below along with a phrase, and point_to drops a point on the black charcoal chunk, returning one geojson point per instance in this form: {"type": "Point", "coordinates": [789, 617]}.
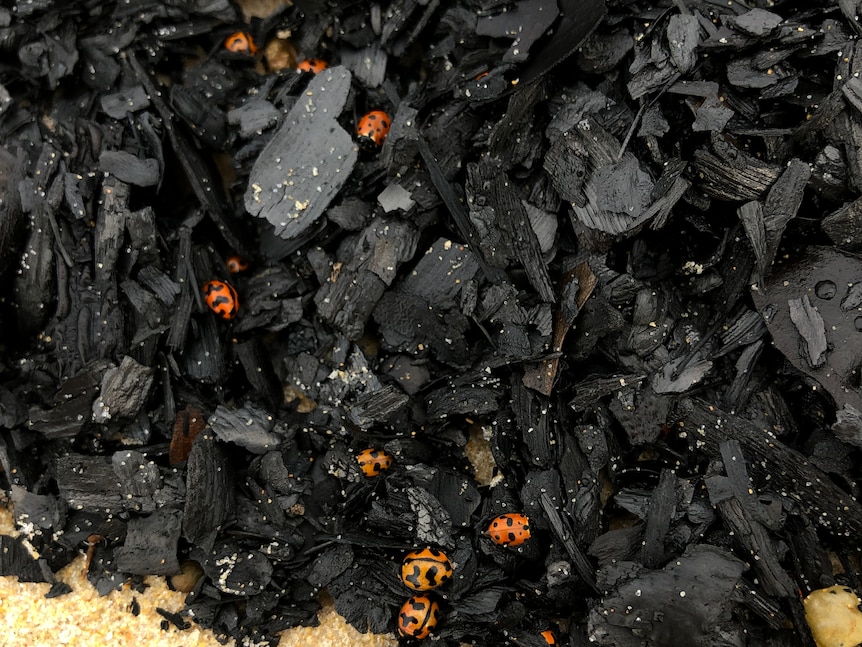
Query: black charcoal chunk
{"type": "Point", "coordinates": [307, 161]}
{"type": "Point", "coordinates": [250, 426]}
{"type": "Point", "coordinates": [124, 390]}
{"type": "Point", "coordinates": [129, 168]}
{"type": "Point", "coordinates": [209, 490]}
{"type": "Point", "coordinates": [151, 544]}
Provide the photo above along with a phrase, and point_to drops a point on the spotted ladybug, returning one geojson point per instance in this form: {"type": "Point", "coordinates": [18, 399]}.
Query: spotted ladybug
{"type": "Point", "coordinates": [314, 65]}
{"type": "Point", "coordinates": [373, 461]}
{"type": "Point", "coordinates": [372, 129]}
{"type": "Point", "coordinates": [511, 529]}
{"type": "Point", "coordinates": [235, 265]}
{"type": "Point", "coordinates": [549, 636]}
{"type": "Point", "coordinates": [221, 299]}
{"type": "Point", "coordinates": [418, 616]}
{"type": "Point", "coordinates": [426, 569]}
{"type": "Point", "coordinates": [240, 42]}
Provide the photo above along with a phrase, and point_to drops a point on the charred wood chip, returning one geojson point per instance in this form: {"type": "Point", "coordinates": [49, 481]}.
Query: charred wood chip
{"type": "Point", "coordinates": [124, 391]}
{"type": "Point", "coordinates": [16, 560]}
{"type": "Point", "coordinates": [210, 491]}
{"type": "Point", "coordinates": [151, 544]}
{"type": "Point", "coordinates": [250, 427]}
{"type": "Point", "coordinates": [307, 161]}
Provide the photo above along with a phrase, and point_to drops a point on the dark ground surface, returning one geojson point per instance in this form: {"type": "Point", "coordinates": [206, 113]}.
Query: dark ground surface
{"type": "Point", "coordinates": [625, 255]}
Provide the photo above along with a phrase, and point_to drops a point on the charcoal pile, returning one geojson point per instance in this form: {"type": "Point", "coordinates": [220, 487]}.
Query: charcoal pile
{"type": "Point", "coordinates": [500, 323]}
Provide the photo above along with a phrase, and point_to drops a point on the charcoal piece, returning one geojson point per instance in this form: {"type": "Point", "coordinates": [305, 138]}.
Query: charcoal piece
{"type": "Point", "coordinates": [129, 168]}
{"type": "Point", "coordinates": [395, 198]}
{"type": "Point", "coordinates": [368, 65]}
{"type": "Point", "coordinates": [209, 490]}
{"type": "Point", "coordinates": [265, 302]}
{"type": "Point", "coordinates": [151, 544]}
{"type": "Point", "coordinates": [712, 115]}
{"type": "Point", "coordinates": [402, 144]}
{"type": "Point", "coordinates": [844, 226]}
{"type": "Point", "coordinates": [318, 153]}
{"type": "Point", "coordinates": [353, 290]}
{"type": "Point", "coordinates": [88, 483]}
{"type": "Point", "coordinates": [848, 426]}
{"type": "Point", "coordinates": [603, 51]}
{"type": "Point", "coordinates": [34, 285]}
{"type": "Point", "coordinates": [562, 530]}
{"type": "Point", "coordinates": [688, 603]}
{"type": "Point", "coordinates": [578, 20]}
{"type": "Point", "coordinates": [40, 510]}
{"type": "Point", "coordinates": [683, 36]}
{"type": "Point", "coordinates": [531, 416]}
{"type": "Point", "coordinates": [527, 22]}
{"type": "Point", "coordinates": [249, 426]}
{"type": "Point", "coordinates": [782, 204]}
{"type": "Point", "coordinates": [469, 400]}
{"type": "Point", "coordinates": [727, 173]}
{"type": "Point", "coordinates": [422, 312]}
{"type": "Point", "coordinates": [237, 571]}
{"type": "Point", "coordinates": [72, 405]}
{"type": "Point", "coordinates": [822, 276]}
{"type": "Point", "coordinates": [785, 468]}
{"type": "Point", "coordinates": [124, 391]}
{"type": "Point", "coordinates": [362, 599]}
{"type": "Point", "coordinates": [410, 375]}
{"type": "Point", "coordinates": [621, 544]}
{"type": "Point", "coordinates": [17, 560]}
{"type": "Point", "coordinates": [680, 374]}
{"type": "Point", "coordinates": [496, 210]}
{"type": "Point", "coordinates": [662, 507]}
{"type": "Point", "coordinates": [126, 100]}
{"type": "Point", "coordinates": [330, 564]}
{"type": "Point", "coordinates": [377, 406]}
{"type": "Point", "coordinates": [253, 117]}
{"type": "Point", "coordinates": [160, 284]}
{"type": "Point", "coordinates": [150, 313]}
{"type": "Point", "coordinates": [203, 357]}
{"type": "Point", "coordinates": [53, 57]}
{"type": "Point", "coordinates": [139, 478]}
{"type": "Point", "coordinates": [812, 333]}
{"type": "Point", "coordinates": [640, 411]}
{"type": "Point", "coordinates": [195, 106]}
{"type": "Point", "coordinates": [457, 494]}
{"type": "Point", "coordinates": [433, 525]}
{"type": "Point", "coordinates": [352, 214]}
{"type": "Point", "coordinates": [757, 22]}
{"type": "Point", "coordinates": [259, 371]}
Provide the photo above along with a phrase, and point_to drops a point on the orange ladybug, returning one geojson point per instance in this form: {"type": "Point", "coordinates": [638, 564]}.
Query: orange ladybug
{"type": "Point", "coordinates": [511, 529]}
{"type": "Point", "coordinates": [418, 616]}
{"type": "Point", "coordinates": [240, 42]}
{"type": "Point", "coordinates": [372, 129]}
{"type": "Point", "coordinates": [221, 298]}
{"type": "Point", "coordinates": [373, 461]}
{"type": "Point", "coordinates": [426, 569]}
{"type": "Point", "coordinates": [235, 265]}
{"type": "Point", "coordinates": [314, 65]}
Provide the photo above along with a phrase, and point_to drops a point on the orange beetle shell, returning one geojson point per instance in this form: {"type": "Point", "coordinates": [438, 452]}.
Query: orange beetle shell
{"type": "Point", "coordinates": [240, 42]}
{"type": "Point", "coordinates": [221, 298]}
{"type": "Point", "coordinates": [426, 569]}
{"type": "Point", "coordinates": [549, 636]}
{"type": "Point", "coordinates": [315, 65]}
{"type": "Point", "coordinates": [418, 616]}
{"type": "Point", "coordinates": [372, 129]}
{"type": "Point", "coordinates": [511, 529]}
{"type": "Point", "coordinates": [373, 461]}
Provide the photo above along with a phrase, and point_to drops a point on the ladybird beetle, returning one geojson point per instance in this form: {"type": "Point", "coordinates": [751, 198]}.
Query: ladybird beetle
{"type": "Point", "coordinates": [426, 569]}
{"type": "Point", "coordinates": [373, 461]}
{"type": "Point", "coordinates": [418, 616]}
{"type": "Point", "coordinates": [235, 265]}
{"type": "Point", "coordinates": [511, 529]}
{"type": "Point", "coordinates": [549, 636]}
{"type": "Point", "coordinates": [221, 299]}
{"type": "Point", "coordinates": [372, 129]}
{"type": "Point", "coordinates": [314, 65]}
{"type": "Point", "coordinates": [240, 42]}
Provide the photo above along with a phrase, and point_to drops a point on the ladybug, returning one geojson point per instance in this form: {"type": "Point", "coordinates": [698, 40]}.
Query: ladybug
{"type": "Point", "coordinates": [418, 616]}
{"type": "Point", "coordinates": [373, 461]}
{"type": "Point", "coordinates": [221, 299]}
{"type": "Point", "coordinates": [426, 569]}
{"type": "Point", "coordinates": [549, 636]}
{"type": "Point", "coordinates": [240, 42]}
{"type": "Point", "coordinates": [511, 529]}
{"type": "Point", "coordinates": [314, 65]}
{"type": "Point", "coordinates": [235, 265]}
{"type": "Point", "coordinates": [372, 129]}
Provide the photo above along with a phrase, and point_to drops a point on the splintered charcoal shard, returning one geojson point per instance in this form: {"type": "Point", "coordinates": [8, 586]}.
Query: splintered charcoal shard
{"type": "Point", "coordinates": [307, 161]}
